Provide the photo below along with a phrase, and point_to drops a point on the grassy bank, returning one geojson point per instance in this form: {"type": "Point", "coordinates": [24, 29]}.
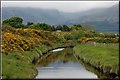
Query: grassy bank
{"type": "Point", "coordinates": [21, 48]}
{"type": "Point", "coordinates": [102, 56]}
{"type": "Point", "coordinates": [20, 65]}
{"type": "Point", "coordinates": [13, 68]}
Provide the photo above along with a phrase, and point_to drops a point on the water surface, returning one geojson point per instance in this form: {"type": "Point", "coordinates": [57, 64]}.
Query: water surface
{"type": "Point", "coordinates": [62, 64]}
{"type": "Point", "coordinates": [67, 70]}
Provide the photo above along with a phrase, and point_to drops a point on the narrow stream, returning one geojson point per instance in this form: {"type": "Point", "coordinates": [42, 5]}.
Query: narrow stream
{"type": "Point", "coordinates": [58, 69]}
{"type": "Point", "coordinates": [62, 64]}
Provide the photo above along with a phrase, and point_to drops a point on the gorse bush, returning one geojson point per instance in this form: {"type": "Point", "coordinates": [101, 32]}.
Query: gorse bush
{"type": "Point", "coordinates": [99, 40]}
{"type": "Point", "coordinates": [25, 39]}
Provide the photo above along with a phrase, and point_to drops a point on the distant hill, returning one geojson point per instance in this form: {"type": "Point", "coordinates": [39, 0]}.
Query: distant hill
{"type": "Point", "coordinates": [102, 19]}
{"type": "Point", "coordinates": [33, 14]}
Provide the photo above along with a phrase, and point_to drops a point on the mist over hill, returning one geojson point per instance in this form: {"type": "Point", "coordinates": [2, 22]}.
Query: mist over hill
{"type": "Point", "coordinates": [101, 19]}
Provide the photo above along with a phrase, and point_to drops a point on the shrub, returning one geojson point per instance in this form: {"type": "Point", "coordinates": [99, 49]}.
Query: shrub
{"type": "Point", "coordinates": [41, 26]}
{"type": "Point", "coordinates": [14, 22]}
{"type": "Point", "coordinates": [19, 25]}
{"type": "Point", "coordinates": [68, 36]}
{"type": "Point", "coordinates": [29, 23]}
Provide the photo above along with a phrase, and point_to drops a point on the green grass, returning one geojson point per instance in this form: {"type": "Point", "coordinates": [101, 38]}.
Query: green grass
{"type": "Point", "coordinates": [14, 68]}
{"type": "Point", "coordinates": [102, 56]}
{"type": "Point", "coordinates": [18, 65]}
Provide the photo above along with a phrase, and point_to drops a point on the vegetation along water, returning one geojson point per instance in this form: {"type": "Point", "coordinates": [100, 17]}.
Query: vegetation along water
{"type": "Point", "coordinates": [25, 47]}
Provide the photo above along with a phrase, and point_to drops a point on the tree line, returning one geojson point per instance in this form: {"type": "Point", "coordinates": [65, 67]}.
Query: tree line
{"type": "Point", "coordinates": [17, 22]}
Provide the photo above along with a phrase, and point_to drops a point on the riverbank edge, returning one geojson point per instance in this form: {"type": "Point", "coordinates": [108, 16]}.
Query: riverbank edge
{"type": "Point", "coordinates": [41, 53]}
{"type": "Point", "coordinates": [86, 61]}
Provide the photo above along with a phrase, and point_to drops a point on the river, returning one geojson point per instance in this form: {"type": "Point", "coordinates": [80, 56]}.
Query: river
{"type": "Point", "coordinates": [61, 63]}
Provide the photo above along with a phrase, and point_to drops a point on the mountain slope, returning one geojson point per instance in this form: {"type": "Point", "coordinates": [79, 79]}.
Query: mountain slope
{"type": "Point", "coordinates": [33, 14]}
{"type": "Point", "coordinates": [102, 19]}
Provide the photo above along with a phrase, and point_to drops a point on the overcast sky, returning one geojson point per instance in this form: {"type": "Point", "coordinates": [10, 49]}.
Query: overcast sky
{"type": "Point", "coordinates": [65, 6]}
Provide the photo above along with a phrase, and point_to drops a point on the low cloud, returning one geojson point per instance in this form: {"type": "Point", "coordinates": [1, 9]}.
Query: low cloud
{"type": "Point", "coordinates": [65, 6]}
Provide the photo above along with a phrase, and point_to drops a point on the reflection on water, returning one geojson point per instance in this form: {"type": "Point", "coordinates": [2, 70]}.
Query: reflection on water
{"type": "Point", "coordinates": [60, 49]}
{"type": "Point", "coordinates": [62, 64]}
{"type": "Point", "coordinates": [61, 70]}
